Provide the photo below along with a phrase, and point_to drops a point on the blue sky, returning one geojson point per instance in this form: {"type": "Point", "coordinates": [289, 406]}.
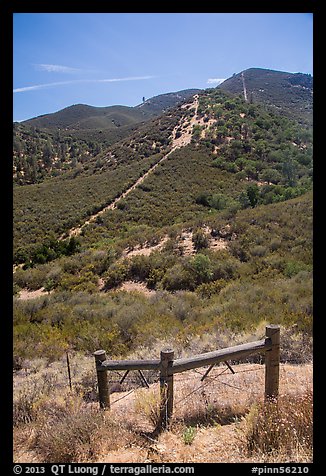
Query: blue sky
{"type": "Point", "coordinates": [103, 59]}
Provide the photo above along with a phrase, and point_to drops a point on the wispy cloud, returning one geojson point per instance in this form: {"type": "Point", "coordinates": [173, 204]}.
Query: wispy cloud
{"type": "Point", "coordinates": [215, 80]}
{"type": "Point", "coordinates": [56, 68]}
{"type": "Point", "coordinates": [131, 78]}
{"type": "Point", "coordinates": [42, 86]}
{"type": "Point", "coordinates": [62, 83]}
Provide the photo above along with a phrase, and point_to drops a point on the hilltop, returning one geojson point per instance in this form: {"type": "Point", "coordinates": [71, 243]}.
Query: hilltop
{"type": "Point", "coordinates": [285, 93]}
{"type": "Point", "coordinates": [82, 116]}
{"type": "Point", "coordinates": [159, 104]}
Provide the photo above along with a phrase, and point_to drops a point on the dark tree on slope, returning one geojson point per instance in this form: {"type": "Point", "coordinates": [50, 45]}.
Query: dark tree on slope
{"type": "Point", "coordinates": [47, 154]}
{"type": "Point", "coordinates": [253, 194]}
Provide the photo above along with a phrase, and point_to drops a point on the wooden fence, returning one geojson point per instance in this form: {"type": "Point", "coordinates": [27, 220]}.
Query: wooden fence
{"type": "Point", "coordinates": [167, 367]}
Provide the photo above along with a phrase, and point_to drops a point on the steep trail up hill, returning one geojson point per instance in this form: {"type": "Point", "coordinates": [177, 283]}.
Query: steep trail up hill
{"type": "Point", "coordinates": [178, 141]}
{"type": "Point", "coordinates": [244, 87]}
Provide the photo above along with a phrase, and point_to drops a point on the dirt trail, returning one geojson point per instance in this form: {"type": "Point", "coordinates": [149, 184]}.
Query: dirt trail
{"type": "Point", "coordinates": [76, 231]}
{"type": "Point", "coordinates": [244, 87]}
{"type": "Point", "coordinates": [177, 142]}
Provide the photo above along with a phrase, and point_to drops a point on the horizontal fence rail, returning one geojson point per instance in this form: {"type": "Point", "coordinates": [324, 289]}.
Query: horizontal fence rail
{"type": "Point", "coordinates": [230, 353]}
{"type": "Point", "coordinates": [129, 365]}
{"type": "Point", "coordinates": [167, 367]}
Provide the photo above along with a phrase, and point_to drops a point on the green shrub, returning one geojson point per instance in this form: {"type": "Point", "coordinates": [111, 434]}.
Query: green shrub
{"type": "Point", "coordinates": [121, 205]}
{"type": "Point", "coordinates": [140, 267]}
{"type": "Point", "coordinates": [258, 251]}
{"type": "Point", "coordinates": [154, 277]}
{"type": "Point", "coordinates": [32, 278]}
{"type": "Point", "coordinates": [116, 274]}
{"type": "Point", "coordinates": [200, 240]}
{"type": "Point", "coordinates": [293, 267]}
{"type": "Point", "coordinates": [201, 265]}
{"type": "Point", "coordinates": [206, 290]}
{"type": "Point", "coordinates": [179, 277]}
{"type": "Point", "coordinates": [86, 281]}
{"type": "Point", "coordinates": [189, 435]}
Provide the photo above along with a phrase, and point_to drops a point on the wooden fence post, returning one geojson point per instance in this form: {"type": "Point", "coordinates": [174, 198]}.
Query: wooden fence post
{"type": "Point", "coordinates": [166, 387]}
{"type": "Point", "coordinates": [68, 367]}
{"type": "Point", "coordinates": [102, 380]}
{"type": "Point", "coordinates": [272, 363]}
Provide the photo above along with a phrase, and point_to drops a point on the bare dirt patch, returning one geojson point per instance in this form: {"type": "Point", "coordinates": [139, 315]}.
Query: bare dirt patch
{"type": "Point", "coordinates": [25, 294]}
{"type": "Point", "coordinates": [134, 286]}
{"type": "Point", "coordinates": [214, 243]}
{"type": "Point", "coordinates": [145, 250]}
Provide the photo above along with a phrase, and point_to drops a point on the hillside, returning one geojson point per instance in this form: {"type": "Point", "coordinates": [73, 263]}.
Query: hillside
{"type": "Point", "coordinates": [82, 116]}
{"type": "Point", "coordinates": [286, 93]}
{"type": "Point", "coordinates": [193, 230]}
{"type": "Point", "coordinates": [51, 144]}
{"type": "Point", "coordinates": [211, 208]}
{"type": "Point", "coordinates": [232, 144]}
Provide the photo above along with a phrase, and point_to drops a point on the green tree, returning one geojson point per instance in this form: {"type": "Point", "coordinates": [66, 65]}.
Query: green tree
{"type": "Point", "coordinates": [289, 172]}
{"type": "Point", "coordinates": [63, 152]}
{"type": "Point", "coordinates": [47, 154]}
{"type": "Point", "coordinates": [235, 149]}
{"type": "Point", "coordinates": [240, 162]}
{"type": "Point", "coordinates": [31, 169]}
{"type": "Point", "coordinates": [271, 176]}
{"type": "Point", "coordinates": [262, 149]}
{"type": "Point", "coordinates": [17, 145]}
{"type": "Point", "coordinates": [253, 194]}
{"type": "Point", "coordinates": [250, 170]}
{"type": "Point", "coordinates": [72, 246]}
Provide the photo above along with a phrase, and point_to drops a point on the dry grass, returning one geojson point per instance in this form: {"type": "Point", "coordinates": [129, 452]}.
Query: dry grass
{"type": "Point", "coordinates": [283, 427]}
{"type": "Point", "coordinates": [66, 429]}
{"type": "Point", "coordinates": [218, 420]}
{"type": "Point", "coordinates": [147, 405]}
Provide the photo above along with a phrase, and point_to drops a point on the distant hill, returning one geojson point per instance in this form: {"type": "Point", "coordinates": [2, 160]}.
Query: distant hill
{"type": "Point", "coordinates": [50, 144]}
{"type": "Point", "coordinates": [288, 93]}
{"type": "Point", "coordinates": [84, 117]}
